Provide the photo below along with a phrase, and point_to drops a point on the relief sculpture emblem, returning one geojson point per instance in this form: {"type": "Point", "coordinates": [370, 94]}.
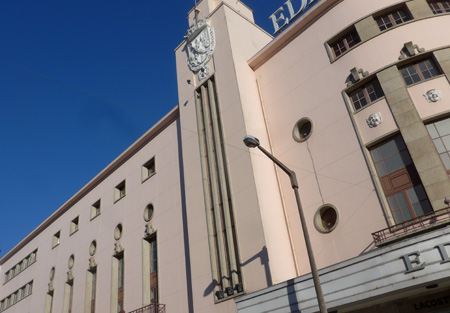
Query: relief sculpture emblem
{"type": "Point", "coordinates": [374, 120]}
{"type": "Point", "coordinates": [200, 44]}
{"type": "Point", "coordinates": [433, 95]}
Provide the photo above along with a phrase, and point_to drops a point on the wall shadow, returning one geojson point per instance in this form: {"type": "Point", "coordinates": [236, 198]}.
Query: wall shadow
{"type": "Point", "coordinates": [187, 252]}
{"type": "Point", "coordinates": [263, 256]}
{"type": "Point", "coordinates": [292, 297]}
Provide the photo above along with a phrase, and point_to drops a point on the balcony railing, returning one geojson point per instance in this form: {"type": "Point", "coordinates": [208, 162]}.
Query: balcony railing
{"type": "Point", "coordinates": [152, 308]}
{"type": "Point", "coordinates": [412, 227]}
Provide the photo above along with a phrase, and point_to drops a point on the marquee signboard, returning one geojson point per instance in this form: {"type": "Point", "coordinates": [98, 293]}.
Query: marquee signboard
{"type": "Point", "coordinates": [294, 9]}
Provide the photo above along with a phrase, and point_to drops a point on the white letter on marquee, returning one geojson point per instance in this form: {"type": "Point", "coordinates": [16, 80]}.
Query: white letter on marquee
{"type": "Point", "coordinates": [409, 262]}
{"type": "Point", "coordinates": [293, 14]}
{"type": "Point", "coordinates": [304, 4]}
{"type": "Point", "coordinates": [275, 20]}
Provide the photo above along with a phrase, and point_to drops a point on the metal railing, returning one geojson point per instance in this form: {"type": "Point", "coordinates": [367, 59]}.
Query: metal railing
{"type": "Point", "coordinates": [152, 308]}
{"type": "Point", "coordinates": [420, 224]}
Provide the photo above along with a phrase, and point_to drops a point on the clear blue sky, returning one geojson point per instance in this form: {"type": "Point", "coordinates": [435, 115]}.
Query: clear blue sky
{"type": "Point", "coordinates": [55, 138]}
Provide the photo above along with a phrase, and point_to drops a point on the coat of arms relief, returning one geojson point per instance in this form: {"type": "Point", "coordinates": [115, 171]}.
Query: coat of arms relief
{"type": "Point", "coordinates": [200, 45]}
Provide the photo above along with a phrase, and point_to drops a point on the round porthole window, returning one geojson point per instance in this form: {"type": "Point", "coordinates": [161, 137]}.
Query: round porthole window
{"type": "Point", "coordinates": [93, 248]}
{"type": "Point", "coordinates": [52, 273]}
{"type": "Point", "coordinates": [148, 212]}
{"type": "Point", "coordinates": [302, 129]}
{"type": "Point", "coordinates": [118, 232]}
{"type": "Point", "coordinates": [71, 261]}
{"type": "Point", "coordinates": [326, 218]}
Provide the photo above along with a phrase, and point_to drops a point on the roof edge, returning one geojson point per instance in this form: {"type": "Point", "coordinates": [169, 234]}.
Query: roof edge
{"type": "Point", "coordinates": [298, 27]}
{"type": "Point", "coordinates": [122, 158]}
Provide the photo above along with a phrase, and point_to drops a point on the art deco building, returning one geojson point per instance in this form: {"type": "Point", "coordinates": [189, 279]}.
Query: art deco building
{"type": "Point", "coordinates": [352, 95]}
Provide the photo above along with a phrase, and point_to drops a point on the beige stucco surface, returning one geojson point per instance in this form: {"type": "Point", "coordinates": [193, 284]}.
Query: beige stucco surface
{"type": "Point", "coordinates": [427, 109]}
{"type": "Point", "coordinates": [387, 126]}
{"type": "Point", "coordinates": [264, 86]}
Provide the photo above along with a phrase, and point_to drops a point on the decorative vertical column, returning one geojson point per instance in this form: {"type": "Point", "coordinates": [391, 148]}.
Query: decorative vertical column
{"type": "Point", "coordinates": [419, 8]}
{"type": "Point", "coordinates": [420, 146]}
{"type": "Point", "coordinates": [367, 28]}
{"type": "Point", "coordinates": [219, 211]}
{"type": "Point", "coordinates": [443, 58]}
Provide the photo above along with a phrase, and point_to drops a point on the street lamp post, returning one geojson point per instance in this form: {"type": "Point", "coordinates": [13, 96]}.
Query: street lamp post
{"type": "Point", "coordinates": [253, 142]}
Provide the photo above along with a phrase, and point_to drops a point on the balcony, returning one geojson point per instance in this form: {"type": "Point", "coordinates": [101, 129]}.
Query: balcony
{"type": "Point", "coordinates": [419, 225]}
{"type": "Point", "coordinates": [152, 308]}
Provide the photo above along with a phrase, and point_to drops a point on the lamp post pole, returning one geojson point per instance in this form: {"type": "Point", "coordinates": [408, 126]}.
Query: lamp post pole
{"type": "Point", "coordinates": [253, 142]}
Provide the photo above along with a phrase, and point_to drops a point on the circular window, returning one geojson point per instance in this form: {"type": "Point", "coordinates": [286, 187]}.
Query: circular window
{"type": "Point", "coordinates": [302, 129]}
{"type": "Point", "coordinates": [52, 273]}
{"type": "Point", "coordinates": [148, 212]}
{"type": "Point", "coordinates": [118, 232]}
{"type": "Point", "coordinates": [92, 248]}
{"type": "Point", "coordinates": [326, 218]}
{"type": "Point", "coordinates": [71, 261]}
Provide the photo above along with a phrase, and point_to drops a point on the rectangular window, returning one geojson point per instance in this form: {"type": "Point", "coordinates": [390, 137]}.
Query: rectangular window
{"type": "Point", "coordinates": [29, 289]}
{"type": "Point", "coordinates": [440, 134]}
{"type": "Point", "coordinates": [16, 296]}
{"type": "Point", "coordinates": [121, 280]}
{"type": "Point", "coordinates": [68, 297]}
{"type": "Point", "coordinates": [419, 71]}
{"type": "Point", "coordinates": [119, 191]}
{"type": "Point", "coordinates": [19, 295]}
{"type": "Point", "coordinates": [24, 263]}
{"type": "Point", "coordinates": [21, 266]}
{"type": "Point", "coordinates": [74, 225]}
{"type": "Point", "coordinates": [366, 94]}
{"type": "Point", "coordinates": [56, 239]}
{"type": "Point", "coordinates": [148, 169]}
{"type": "Point", "coordinates": [94, 289]}
{"type": "Point", "coordinates": [49, 302]}
{"type": "Point", "coordinates": [441, 6]}
{"type": "Point", "coordinates": [393, 18]}
{"type": "Point", "coordinates": [345, 42]}
{"type": "Point", "coordinates": [32, 257]}
{"type": "Point", "coordinates": [95, 209]}
{"type": "Point", "coordinates": [153, 270]}
{"type": "Point", "coordinates": [71, 297]}
{"type": "Point", "coordinates": [400, 181]}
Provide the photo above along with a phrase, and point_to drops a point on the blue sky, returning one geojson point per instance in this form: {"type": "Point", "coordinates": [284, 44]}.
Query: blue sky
{"type": "Point", "coordinates": [80, 81]}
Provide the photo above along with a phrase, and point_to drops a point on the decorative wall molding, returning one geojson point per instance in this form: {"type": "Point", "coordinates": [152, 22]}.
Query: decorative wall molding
{"type": "Point", "coordinates": [433, 95]}
{"type": "Point", "coordinates": [118, 247]}
{"type": "Point", "coordinates": [356, 75]}
{"type": "Point", "coordinates": [149, 229]}
{"type": "Point", "coordinates": [50, 287]}
{"type": "Point", "coordinates": [409, 49]}
{"type": "Point", "coordinates": [69, 276]}
{"type": "Point", "coordinates": [200, 44]}
{"type": "Point", "coordinates": [92, 263]}
{"type": "Point", "coordinates": [374, 120]}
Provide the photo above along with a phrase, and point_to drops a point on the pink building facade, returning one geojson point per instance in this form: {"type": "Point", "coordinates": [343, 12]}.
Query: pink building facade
{"type": "Point", "coordinates": [351, 95]}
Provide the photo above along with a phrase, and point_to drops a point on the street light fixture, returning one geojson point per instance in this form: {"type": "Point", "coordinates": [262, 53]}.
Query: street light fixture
{"type": "Point", "coordinates": [253, 142]}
